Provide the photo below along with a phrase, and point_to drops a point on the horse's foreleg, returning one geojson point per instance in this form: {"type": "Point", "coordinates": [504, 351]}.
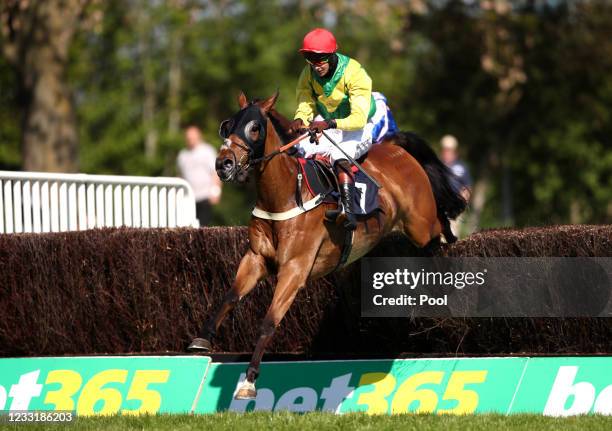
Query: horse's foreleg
{"type": "Point", "coordinates": [252, 268]}
{"type": "Point", "coordinates": [291, 278]}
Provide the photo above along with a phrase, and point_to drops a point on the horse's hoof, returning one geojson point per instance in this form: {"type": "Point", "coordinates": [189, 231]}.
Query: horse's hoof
{"type": "Point", "coordinates": [247, 391]}
{"type": "Point", "coordinates": [199, 345]}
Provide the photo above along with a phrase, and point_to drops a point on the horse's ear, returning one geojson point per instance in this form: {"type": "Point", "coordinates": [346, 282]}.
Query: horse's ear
{"type": "Point", "coordinates": [268, 104]}
{"type": "Point", "coordinates": [242, 100]}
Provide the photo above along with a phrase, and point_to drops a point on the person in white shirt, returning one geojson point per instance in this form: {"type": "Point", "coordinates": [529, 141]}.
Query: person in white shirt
{"type": "Point", "coordinates": [461, 181]}
{"type": "Point", "coordinates": [196, 164]}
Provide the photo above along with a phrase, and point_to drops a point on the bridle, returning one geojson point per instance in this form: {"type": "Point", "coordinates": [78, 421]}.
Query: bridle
{"type": "Point", "coordinates": [248, 160]}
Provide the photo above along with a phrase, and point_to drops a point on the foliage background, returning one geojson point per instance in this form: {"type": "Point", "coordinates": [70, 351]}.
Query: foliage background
{"type": "Point", "coordinates": [524, 85]}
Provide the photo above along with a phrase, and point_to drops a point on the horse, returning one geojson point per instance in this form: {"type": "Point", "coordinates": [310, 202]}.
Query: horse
{"type": "Point", "coordinates": [416, 198]}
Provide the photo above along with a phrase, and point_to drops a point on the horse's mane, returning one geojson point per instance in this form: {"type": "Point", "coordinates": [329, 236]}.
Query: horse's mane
{"type": "Point", "coordinates": [280, 122]}
{"type": "Point", "coordinates": [281, 125]}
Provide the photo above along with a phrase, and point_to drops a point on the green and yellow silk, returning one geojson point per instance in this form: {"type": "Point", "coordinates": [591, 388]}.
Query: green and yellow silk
{"type": "Point", "coordinates": [345, 96]}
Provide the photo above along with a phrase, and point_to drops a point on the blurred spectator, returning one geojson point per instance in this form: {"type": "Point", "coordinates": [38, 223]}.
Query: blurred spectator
{"type": "Point", "coordinates": [462, 181]}
{"type": "Point", "coordinates": [196, 164]}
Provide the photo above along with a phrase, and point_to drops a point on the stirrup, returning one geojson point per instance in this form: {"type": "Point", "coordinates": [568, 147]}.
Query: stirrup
{"type": "Point", "coordinates": [332, 215]}
{"type": "Point", "coordinates": [350, 223]}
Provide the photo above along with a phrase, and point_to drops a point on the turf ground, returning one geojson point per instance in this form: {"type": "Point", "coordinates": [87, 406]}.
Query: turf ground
{"type": "Point", "coordinates": [325, 421]}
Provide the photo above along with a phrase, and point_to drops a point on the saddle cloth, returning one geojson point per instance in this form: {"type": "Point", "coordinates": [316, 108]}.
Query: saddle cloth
{"type": "Point", "coordinates": [319, 177]}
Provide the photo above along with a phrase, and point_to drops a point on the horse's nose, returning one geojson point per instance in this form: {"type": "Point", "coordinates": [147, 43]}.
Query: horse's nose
{"type": "Point", "coordinates": [224, 164]}
{"type": "Point", "coordinates": [224, 167]}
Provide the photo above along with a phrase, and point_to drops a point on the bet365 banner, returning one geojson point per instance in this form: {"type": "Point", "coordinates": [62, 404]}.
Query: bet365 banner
{"type": "Point", "coordinates": [551, 386]}
{"type": "Point", "coordinates": [561, 386]}
{"type": "Point", "coordinates": [456, 386]}
{"type": "Point", "coordinates": [103, 385]}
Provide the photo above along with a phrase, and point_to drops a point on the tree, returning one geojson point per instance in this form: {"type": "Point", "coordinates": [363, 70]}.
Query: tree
{"type": "Point", "coordinates": [524, 85]}
{"type": "Point", "coordinates": [36, 37]}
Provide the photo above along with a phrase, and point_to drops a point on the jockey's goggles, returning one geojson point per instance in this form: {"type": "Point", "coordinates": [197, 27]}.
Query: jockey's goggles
{"type": "Point", "coordinates": [317, 58]}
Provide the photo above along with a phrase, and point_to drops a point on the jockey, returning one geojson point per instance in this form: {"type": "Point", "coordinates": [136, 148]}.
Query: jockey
{"type": "Point", "coordinates": [335, 92]}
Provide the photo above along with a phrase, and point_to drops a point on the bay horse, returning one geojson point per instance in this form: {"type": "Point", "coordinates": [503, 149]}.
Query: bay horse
{"type": "Point", "coordinates": [416, 198]}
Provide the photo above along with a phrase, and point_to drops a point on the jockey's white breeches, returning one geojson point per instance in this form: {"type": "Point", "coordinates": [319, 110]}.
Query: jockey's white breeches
{"type": "Point", "coordinates": [355, 143]}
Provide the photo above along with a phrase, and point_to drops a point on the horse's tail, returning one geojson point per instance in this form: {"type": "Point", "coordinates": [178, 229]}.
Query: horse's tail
{"type": "Point", "coordinates": [449, 202]}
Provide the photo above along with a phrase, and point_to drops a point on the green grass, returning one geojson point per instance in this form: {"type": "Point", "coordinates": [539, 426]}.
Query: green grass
{"type": "Point", "coordinates": [325, 421]}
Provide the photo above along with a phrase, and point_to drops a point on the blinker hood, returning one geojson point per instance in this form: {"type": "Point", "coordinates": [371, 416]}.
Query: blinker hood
{"type": "Point", "coordinates": [242, 124]}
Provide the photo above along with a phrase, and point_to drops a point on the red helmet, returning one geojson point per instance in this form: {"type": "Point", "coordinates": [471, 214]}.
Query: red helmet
{"type": "Point", "coordinates": [320, 41]}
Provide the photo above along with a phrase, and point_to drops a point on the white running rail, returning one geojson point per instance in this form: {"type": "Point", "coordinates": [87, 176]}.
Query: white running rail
{"type": "Point", "coordinates": [45, 202]}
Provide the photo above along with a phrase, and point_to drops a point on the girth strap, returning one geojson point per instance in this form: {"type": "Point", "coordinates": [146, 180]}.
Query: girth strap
{"type": "Point", "coordinates": [298, 190]}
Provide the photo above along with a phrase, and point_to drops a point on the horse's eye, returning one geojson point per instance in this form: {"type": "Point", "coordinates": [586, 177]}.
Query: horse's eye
{"type": "Point", "coordinates": [252, 130]}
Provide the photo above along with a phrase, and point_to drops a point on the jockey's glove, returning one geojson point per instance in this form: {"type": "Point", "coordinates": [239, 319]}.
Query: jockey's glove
{"type": "Point", "coordinates": [319, 126]}
{"type": "Point", "coordinates": [296, 125]}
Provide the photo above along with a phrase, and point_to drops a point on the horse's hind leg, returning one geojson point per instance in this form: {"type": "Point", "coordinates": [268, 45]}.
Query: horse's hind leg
{"type": "Point", "coordinates": [252, 269]}
{"type": "Point", "coordinates": [432, 247]}
{"type": "Point", "coordinates": [422, 231]}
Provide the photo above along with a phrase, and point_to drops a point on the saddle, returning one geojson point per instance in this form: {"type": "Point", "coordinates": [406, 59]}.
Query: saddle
{"type": "Point", "coordinates": [319, 177]}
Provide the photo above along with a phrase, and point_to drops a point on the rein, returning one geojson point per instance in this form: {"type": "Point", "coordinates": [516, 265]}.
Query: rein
{"type": "Point", "coordinates": [246, 163]}
{"type": "Point", "coordinates": [282, 149]}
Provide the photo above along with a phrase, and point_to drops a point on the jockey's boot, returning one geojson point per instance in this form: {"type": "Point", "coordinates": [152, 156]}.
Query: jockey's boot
{"type": "Point", "coordinates": [347, 192]}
